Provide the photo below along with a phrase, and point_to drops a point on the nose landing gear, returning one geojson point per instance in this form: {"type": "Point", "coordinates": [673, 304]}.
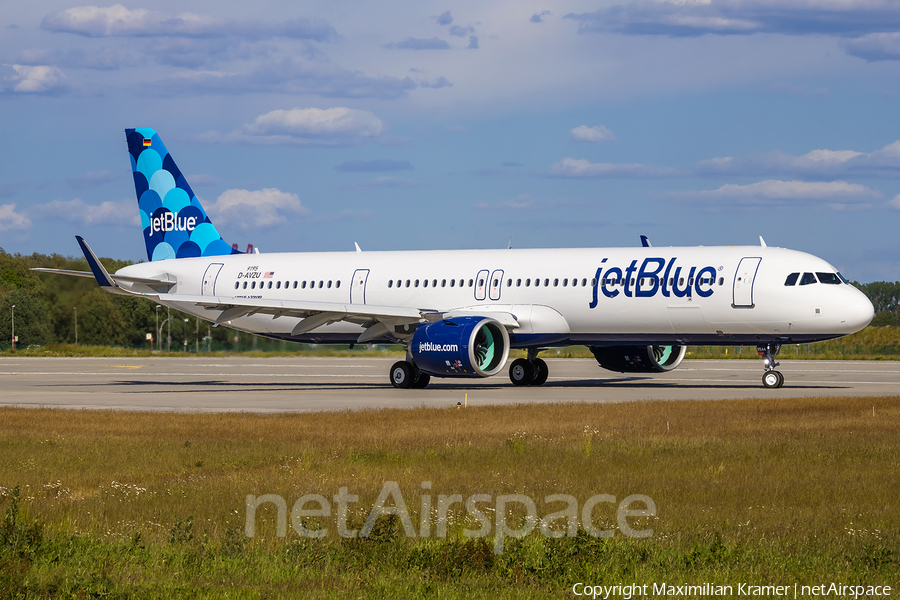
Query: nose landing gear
{"type": "Point", "coordinates": [771, 378]}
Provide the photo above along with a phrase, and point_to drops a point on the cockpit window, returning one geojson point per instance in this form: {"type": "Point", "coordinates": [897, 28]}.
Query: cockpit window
{"type": "Point", "coordinates": [844, 279]}
{"type": "Point", "coordinates": [831, 278]}
{"type": "Point", "coordinates": [791, 279]}
{"type": "Point", "coordinates": [807, 279]}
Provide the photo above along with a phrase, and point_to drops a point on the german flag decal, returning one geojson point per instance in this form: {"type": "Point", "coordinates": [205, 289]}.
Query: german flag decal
{"type": "Point", "coordinates": [147, 142]}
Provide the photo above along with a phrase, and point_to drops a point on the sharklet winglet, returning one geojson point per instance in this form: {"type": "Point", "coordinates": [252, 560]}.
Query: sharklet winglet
{"type": "Point", "coordinates": [99, 271]}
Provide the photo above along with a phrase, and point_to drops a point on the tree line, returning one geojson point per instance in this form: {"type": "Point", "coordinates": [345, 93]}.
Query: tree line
{"type": "Point", "coordinates": [47, 307]}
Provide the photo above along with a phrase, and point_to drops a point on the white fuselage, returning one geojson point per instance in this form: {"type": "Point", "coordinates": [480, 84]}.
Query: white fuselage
{"type": "Point", "coordinates": [593, 296]}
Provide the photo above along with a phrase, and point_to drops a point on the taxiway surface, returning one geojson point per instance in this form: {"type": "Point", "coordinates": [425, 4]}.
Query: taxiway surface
{"type": "Point", "coordinates": [312, 384]}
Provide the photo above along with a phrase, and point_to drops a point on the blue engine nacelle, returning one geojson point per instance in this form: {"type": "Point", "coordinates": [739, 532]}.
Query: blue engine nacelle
{"type": "Point", "coordinates": [639, 359]}
{"type": "Point", "coordinates": [461, 347]}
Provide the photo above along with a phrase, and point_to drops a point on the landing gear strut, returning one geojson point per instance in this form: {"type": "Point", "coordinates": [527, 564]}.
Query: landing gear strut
{"type": "Point", "coordinates": [771, 378]}
{"type": "Point", "coordinates": [529, 371]}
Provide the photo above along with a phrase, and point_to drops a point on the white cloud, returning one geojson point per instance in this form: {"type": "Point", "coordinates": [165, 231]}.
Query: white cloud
{"type": "Point", "coordinates": [33, 79]}
{"type": "Point", "coordinates": [523, 202]}
{"type": "Point", "coordinates": [579, 167]}
{"type": "Point", "coordinates": [338, 126]}
{"type": "Point", "coordinates": [80, 213]}
{"type": "Point", "coordinates": [598, 133]}
{"type": "Point", "coordinates": [894, 202]}
{"type": "Point", "coordinates": [259, 208]}
{"type": "Point", "coordinates": [117, 20]}
{"type": "Point", "coordinates": [289, 76]}
{"type": "Point", "coordinates": [830, 164]}
{"type": "Point", "coordinates": [837, 195]}
{"type": "Point", "coordinates": [875, 46]}
{"type": "Point", "coordinates": [796, 17]}
{"type": "Point", "coordinates": [10, 219]}
{"type": "Point", "coordinates": [434, 43]}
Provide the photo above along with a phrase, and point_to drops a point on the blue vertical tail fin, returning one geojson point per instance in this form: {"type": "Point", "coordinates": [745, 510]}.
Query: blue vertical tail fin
{"type": "Point", "coordinates": [175, 224]}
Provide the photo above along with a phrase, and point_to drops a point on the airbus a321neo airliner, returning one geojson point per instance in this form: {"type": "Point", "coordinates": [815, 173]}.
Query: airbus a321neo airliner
{"type": "Point", "coordinates": [459, 312]}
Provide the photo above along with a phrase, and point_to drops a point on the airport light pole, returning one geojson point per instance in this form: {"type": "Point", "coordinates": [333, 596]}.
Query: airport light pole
{"type": "Point", "coordinates": [158, 330]}
{"type": "Point", "coordinates": [14, 327]}
{"type": "Point", "coordinates": [76, 325]}
{"type": "Point", "coordinates": [169, 336]}
{"type": "Point", "coordinates": [197, 337]}
{"type": "Point", "coordinates": [184, 334]}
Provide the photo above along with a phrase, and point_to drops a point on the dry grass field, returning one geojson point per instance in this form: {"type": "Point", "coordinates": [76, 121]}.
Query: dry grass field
{"type": "Point", "coordinates": [103, 503]}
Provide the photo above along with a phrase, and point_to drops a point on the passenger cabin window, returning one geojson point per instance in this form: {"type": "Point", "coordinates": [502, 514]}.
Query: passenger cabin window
{"type": "Point", "coordinates": [807, 279]}
{"type": "Point", "coordinates": [236, 284]}
{"type": "Point", "coordinates": [792, 279]}
{"type": "Point", "coordinates": [337, 283]}
{"type": "Point", "coordinates": [830, 278]}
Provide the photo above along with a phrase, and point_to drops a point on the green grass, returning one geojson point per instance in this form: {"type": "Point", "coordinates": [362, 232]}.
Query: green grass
{"type": "Point", "coordinates": [152, 505]}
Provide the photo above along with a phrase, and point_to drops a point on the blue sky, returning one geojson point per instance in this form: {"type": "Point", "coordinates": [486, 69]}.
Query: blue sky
{"type": "Point", "coordinates": [420, 125]}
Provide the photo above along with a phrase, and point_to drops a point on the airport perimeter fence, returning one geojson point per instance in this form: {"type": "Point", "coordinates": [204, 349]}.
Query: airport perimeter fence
{"type": "Point", "coordinates": [263, 346]}
{"type": "Point", "coordinates": [824, 350]}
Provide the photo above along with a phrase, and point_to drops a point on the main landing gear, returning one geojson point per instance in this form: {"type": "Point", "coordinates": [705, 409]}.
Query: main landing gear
{"type": "Point", "coordinates": [529, 371]}
{"type": "Point", "coordinates": [405, 375]}
{"type": "Point", "coordinates": [771, 378]}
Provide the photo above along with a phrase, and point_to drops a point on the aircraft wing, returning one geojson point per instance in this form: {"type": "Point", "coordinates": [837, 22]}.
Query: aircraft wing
{"type": "Point", "coordinates": [110, 282]}
{"type": "Point", "coordinates": [163, 280]}
{"type": "Point", "coordinates": [379, 321]}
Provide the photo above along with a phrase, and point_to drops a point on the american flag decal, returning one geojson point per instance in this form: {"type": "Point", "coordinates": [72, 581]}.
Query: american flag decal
{"type": "Point", "coordinates": [268, 274]}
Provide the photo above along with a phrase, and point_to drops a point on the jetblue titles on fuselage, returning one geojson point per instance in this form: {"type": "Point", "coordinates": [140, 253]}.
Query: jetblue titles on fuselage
{"type": "Point", "coordinates": [655, 275]}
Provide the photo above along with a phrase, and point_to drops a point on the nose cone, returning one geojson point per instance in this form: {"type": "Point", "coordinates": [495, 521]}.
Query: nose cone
{"type": "Point", "coordinates": [857, 311]}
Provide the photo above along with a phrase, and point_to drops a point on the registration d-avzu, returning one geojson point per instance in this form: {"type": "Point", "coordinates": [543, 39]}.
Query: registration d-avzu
{"type": "Point", "coordinates": [459, 312]}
